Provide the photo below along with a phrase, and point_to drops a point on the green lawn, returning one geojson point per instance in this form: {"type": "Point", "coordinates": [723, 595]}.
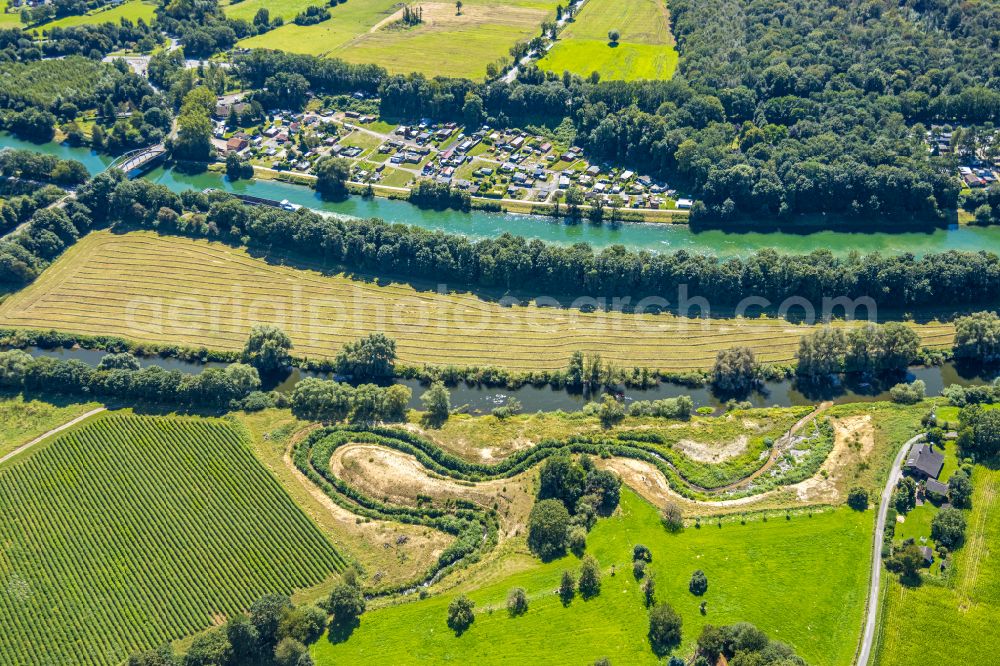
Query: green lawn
{"type": "Point", "coordinates": [22, 420]}
{"type": "Point", "coordinates": [286, 9]}
{"type": "Point", "coordinates": [132, 10]}
{"type": "Point", "coordinates": [953, 622]}
{"type": "Point", "coordinates": [645, 49]}
{"type": "Point", "coordinates": [8, 19]}
{"type": "Point", "coordinates": [802, 580]}
{"type": "Point", "coordinates": [360, 32]}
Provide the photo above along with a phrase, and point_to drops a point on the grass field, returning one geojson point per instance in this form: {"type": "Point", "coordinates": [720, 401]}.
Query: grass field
{"type": "Point", "coordinates": [133, 10]}
{"type": "Point", "coordinates": [130, 531]}
{"type": "Point", "coordinates": [170, 289]}
{"type": "Point", "coordinates": [286, 9]}
{"type": "Point", "coordinates": [954, 622]}
{"type": "Point", "coordinates": [22, 420]}
{"type": "Point", "coordinates": [644, 51]}
{"type": "Point", "coordinates": [8, 19]}
{"type": "Point", "coordinates": [802, 580]}
{"type": "Point", "coordinates": [446, 43]}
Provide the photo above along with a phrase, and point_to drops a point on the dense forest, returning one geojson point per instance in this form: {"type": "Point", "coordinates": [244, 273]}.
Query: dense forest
{"type": "Point", "coordinates": [507, 262]}
{"type": "Point", "coordinates": [777, 109]}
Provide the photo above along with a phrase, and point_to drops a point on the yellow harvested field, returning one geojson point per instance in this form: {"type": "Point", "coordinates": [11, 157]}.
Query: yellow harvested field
{"type": "Point", "coordinates": [176, 290]}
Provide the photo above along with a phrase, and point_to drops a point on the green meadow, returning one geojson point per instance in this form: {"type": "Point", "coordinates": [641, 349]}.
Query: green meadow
{"type": "Point", "coordinates": [133, 10]}
{"type": "Point", "coordinates": [446, 43]}
{"type": "Point", "coordinates": [803, 580]}
{"type": "Point", "coordinates": [645, 49]}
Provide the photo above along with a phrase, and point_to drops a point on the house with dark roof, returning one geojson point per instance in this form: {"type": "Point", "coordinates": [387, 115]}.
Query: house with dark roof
{"type": "Point", "coordinates": [924, 462]}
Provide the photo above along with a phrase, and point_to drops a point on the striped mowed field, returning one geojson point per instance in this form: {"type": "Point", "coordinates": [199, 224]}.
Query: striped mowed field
{"type": "Point", "coordinates": [174, 290]}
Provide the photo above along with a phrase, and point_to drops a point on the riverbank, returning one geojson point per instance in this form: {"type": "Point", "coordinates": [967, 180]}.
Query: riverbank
{"type": "Point", "coordinates": [518, 206]}
{"type": "Point", "coordinates": [479, 224]}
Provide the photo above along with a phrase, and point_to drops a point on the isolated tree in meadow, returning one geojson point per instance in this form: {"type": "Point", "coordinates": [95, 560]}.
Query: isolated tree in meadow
{"type": "Point", "coordinates": [614, 36]}
{"type": "Point", "coordinates": [267, 349]}
{"type": "Point", "coordinates": [649, 591]}
{"type": "Point", "coordinates": [590, 577]}
{"type": "Point", "coordinates": [699, 583]}
{"type": "Point", "coordinates": [672, 517]}
{"type": "Point", "coordinates": [517, 602]}
{"type": "Point", "coordinates": [664, 629]}
{"type": "Point", "coordinates": [548, 526]}
{"type": "Point", "coordinates": [437, 403]}
{"type": "Point", "coordinates": [857, 498]}
{"type": "Point", "coordinates": [460, 614]}
{"type": "Point", "coordinates": [567, 587]}
{"type": "Point", "coordinates": [458, 7]}
{"type": "Point", "coordinates": [262, 18]}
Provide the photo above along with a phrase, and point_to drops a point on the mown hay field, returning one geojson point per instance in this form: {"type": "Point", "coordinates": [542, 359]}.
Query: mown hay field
{"type": "Point", "coordinates": [955, 622]}
{"type": "Point", "coordinates": [802, 580]}
{"type": "Point", "coordinates": [130, 531]}
{"type": "Point", "coordinates": [645, 49]}
{"type": "Point", "coordinates": [197, 293]}
{"type": "Point", "coordinates": [446, 43]}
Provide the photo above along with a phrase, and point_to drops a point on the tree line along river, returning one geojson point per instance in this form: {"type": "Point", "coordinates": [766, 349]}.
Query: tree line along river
{"type": "Point", "coordinates": [653, 237]}
{"type": "Point", "coordinates": [479, 224]}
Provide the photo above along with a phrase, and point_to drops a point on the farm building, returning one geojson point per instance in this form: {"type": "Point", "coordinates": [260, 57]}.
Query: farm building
{"type": "Point", "coordinates": [935, 488]}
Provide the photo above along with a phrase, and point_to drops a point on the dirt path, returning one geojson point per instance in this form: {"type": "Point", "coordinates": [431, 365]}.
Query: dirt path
{"type": "Point", "coordinates": [54, 431]}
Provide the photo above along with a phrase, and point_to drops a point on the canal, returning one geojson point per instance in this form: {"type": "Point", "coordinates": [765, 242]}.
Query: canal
{"type": "Point", "coordinates": [479, 224]}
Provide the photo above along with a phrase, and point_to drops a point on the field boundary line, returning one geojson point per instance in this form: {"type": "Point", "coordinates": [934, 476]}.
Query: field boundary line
{"type": "Point", "coordinates": [50, 433]}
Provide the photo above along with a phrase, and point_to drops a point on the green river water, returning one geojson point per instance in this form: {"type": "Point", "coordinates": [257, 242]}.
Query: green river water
{"type": "Point", "coordinates": [477, 224]}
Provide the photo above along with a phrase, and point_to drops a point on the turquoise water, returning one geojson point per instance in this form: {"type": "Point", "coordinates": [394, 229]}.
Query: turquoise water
{"type": "Point", "coordinates": [478, 224]}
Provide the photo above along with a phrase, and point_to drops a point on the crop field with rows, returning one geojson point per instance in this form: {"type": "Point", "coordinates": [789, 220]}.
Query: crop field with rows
{"type": "Point", "coordinates": [132, 531]}
{"type": "Point", "coordinates": [152, 288]}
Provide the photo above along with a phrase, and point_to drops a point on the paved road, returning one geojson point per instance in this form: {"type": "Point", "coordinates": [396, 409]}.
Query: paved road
{"type": "Point", "coordinates": [54, 431]}
{"type": "Point", "coordinates": [871, 619]}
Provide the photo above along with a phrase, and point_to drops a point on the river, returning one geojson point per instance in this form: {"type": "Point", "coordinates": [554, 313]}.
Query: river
{"type": "Point", "coordinates": [481, 399]}
{"type": "Point", "coordinates": [479, 224]}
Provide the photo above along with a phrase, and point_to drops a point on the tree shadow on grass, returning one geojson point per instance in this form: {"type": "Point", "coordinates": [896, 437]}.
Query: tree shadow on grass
{"type": "Point", "coordinates": [339, 632]}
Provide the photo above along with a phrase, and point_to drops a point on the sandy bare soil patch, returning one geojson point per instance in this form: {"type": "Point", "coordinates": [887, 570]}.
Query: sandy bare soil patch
{"type": "Point", "coordinates": [400, 478]}
{"type": "Point", "coordinates": [854, 440]}
{"type": "Point", "coordinates": [713, 453]}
